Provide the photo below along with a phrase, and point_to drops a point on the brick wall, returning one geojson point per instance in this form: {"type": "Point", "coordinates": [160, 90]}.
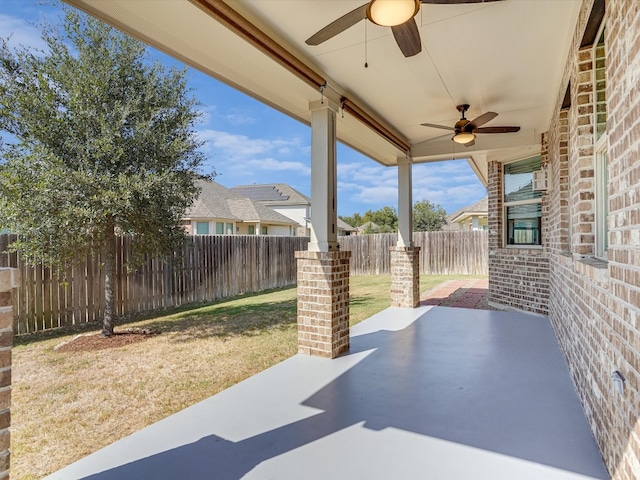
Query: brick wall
{"type": "Point", "coordinates": [9, 279]}
{"type": "Point", "coordinates": [323, 303]}
{"type": "Point", "coordinates": [556, 201]}
{"type": "Point", "coordinates": [581, 157]}
{"type": "Point", "coordinates": [405, 276]}
{"type": "Point", "coordinates": [518, 277]}
{"type": "Point", "coordinates": [594, 305]}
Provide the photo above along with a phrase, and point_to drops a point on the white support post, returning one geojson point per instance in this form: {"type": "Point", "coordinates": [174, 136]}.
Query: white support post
{"type": "Point", "coordinates": [324, 193]}
{"type": "Point", "coordinates": [405, 203]}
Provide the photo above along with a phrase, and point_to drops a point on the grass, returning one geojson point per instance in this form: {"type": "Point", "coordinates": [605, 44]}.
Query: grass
{"type": "Point", "coordinates": [69, 404]}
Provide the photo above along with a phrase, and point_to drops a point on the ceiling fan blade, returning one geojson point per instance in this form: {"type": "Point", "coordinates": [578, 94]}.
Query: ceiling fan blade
{"type": "Point", "coordinates": [496, 129]}
{"type": "Point", "coordinates": [338, 26]}
{"type": "Point", "coordinates": [408, 38]}
{"type": "Point", "coordinates": [454, 2]}
{"type": "Point", "coordinates": [481, 120]}
{"type": "Point", "coordinates": [433, 125]}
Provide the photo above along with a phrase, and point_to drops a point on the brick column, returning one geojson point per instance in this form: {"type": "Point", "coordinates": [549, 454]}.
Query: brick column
{"type": "Point", "coordinates": [405, 276]}
{"type": "Point", "coordinates": [323, 303]}
{"type": "Point", "coordinates": [9, 279]}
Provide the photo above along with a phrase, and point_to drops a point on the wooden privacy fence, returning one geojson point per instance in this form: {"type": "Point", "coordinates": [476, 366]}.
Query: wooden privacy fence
{"type": "Point", "coordinates": [442, 253]}
{"type": "Point", "coordinates": [212, 267]}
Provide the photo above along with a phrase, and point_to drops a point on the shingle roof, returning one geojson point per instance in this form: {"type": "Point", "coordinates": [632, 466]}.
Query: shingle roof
{"type": "Point", "coordinates": [216, 201]}
{"type": "Point", "coordinates": [367, 225]}
{"type": "Point", "coordinates": [273, 194]}
{"type": "Point", "coordinates": [481, 206]}
{"type": "Point", "coordinates": [212, 202]}
{"type": "Point", "coordinates": [250, 211]}
{"type": "Point", "coordinates": [342, 225]}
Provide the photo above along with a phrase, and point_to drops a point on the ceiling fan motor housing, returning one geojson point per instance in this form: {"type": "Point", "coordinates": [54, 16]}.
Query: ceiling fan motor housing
{"type": "Point", "coordinates": [460, 124]}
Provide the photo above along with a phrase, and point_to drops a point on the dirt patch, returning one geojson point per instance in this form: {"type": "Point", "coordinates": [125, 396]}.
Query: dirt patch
{"type": "Point", "coordinates": [92, 342]}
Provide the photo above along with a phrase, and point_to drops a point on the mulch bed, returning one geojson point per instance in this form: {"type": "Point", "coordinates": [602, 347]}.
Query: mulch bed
{"type": "Point", "coordinates": [92, 342]}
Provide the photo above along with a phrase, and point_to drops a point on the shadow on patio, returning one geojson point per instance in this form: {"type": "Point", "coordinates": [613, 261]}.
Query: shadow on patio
{"type": "Point", "coordinates": [433, 392]}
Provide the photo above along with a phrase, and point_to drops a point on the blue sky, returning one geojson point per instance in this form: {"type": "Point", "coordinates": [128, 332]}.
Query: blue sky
{"type": "Point", "coordinates": [248, 142]}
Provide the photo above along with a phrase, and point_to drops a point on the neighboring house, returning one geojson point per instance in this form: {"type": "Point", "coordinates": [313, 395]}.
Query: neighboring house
{"type": "Point", "coordinates": [289, 202]}
{"type": "Point", "coordinates": [471, 217]}
{"type": "Point", "coordinates": [345, 229]}
{"type": "Point", "coordinates": [367, 228]}
{"type": "Point", "coordinates": [219, 210]}
{"type": "Point", "coordinates": [283, 199]}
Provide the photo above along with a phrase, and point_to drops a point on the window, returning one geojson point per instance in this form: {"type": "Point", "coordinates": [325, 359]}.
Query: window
{"type": "Point", "coordinates": [264, 230]}
{"type": "Point", "coordinates": [522, 205]}
{"type": "Point", "coordinates": [229, 227]}
{"type": "Point", "coordinates": [219, 228]}
{"type": "Point", "coordinates": [252, 230]}
{"type": "Point", "coordinates": [202, 228]}
{"type": "Point", "coordinates": [601, 177]}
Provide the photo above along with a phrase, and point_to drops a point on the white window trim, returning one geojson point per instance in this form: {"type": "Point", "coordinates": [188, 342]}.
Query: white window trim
{"type": "Point", "coordinates": [505, 223]}
{"type": "Point", "coordinates": [600, 173]}
{"type": "Point", "coordinates": [601, 197]}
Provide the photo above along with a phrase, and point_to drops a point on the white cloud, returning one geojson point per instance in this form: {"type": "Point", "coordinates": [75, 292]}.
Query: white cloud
{"type": "Point", "coordinates": [236, 117]}
{"type": "Point", "coordinates": [20, 32]}
{"type": "Point", "coordinates": [206, 112]}
{"type": "Point", "coordinates": [378, 196]}
{"type": "Point", "coordinates": [240, 118]}
{"type": "Point", "coordinates": [449, 184]}
{"type": "Point", "coordinates": [272, 164]}
{"type": "Point", "coordinates": [371, 173]}
{"type": "Point", "coordinates": [241, 147]}
{"type": "Point", "coordinates": [240, 159]}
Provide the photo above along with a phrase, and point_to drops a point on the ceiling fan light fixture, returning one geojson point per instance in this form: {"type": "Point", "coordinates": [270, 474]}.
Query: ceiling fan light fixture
{"type": "Point", "coordinates": [391, 13]}
{"type": "Point", "coordinates": [463, 137]}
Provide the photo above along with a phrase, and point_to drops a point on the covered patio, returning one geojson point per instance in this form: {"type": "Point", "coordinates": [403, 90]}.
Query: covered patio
{"type": "Point", "coordinates": [393, 94]}
{"type": "Point", "coordinates": [414, 392]}
{"type": "Point", "coordinates": [432, 392]}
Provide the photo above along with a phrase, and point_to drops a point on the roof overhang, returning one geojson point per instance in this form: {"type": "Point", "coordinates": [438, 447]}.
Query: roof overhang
{"type": "Point", "coordinates": [506, 56]}
{"type": "Point", "coordinates": [468, 215]}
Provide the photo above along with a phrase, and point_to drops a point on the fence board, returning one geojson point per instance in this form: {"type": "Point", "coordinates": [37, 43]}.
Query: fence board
{"type": "Point", "coordinates": [208, 268]}
{"type": "Point", "coordinates": [442, 253]}
{"type": "Point", "coordinates": [212, 267]}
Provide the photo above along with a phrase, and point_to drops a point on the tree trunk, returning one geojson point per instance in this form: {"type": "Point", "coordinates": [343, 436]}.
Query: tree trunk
{"type": "Point", "coordinates": [109, 319]}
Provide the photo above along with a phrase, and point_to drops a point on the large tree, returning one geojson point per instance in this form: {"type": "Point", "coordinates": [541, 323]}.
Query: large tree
{"type": "Point", "coordinates": [386, 219]}
{"type": "Point", "coordinates": [100, 143]}
{"type": "Point", "coordinates": [428, 216]}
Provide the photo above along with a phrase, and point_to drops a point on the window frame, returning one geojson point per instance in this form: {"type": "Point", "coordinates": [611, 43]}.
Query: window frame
{"type": "Point", "coordinates": [506, 205]}
{"type": "Point", "coordinates": [601, 198]}
{"type": "Point", "coordinates": [600, 161]}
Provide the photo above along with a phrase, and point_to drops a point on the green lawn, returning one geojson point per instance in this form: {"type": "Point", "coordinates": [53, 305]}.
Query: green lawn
{"type": "Point", "coordinates": [69, 404]}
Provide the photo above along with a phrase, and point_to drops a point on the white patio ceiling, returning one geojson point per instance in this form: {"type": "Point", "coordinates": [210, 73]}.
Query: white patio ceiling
{"type": "Point", "coordinates": [506, 56]}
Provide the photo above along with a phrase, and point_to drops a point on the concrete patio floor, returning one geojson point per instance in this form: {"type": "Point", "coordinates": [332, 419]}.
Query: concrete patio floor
{"type": "Point", "coordinates": [426, 393]}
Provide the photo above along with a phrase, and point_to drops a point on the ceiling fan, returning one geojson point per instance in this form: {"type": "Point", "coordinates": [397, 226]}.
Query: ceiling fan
{"type": "Point", "coordinates": [397, 14]}
{"type": "Point", "coordinates": [466, 130]}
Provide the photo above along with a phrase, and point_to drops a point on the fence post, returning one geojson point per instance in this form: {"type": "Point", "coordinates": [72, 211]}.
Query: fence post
{"type": "Point", "coordinates": [9, 279]}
